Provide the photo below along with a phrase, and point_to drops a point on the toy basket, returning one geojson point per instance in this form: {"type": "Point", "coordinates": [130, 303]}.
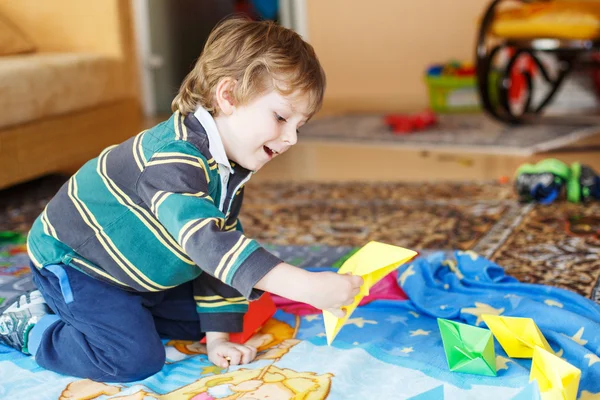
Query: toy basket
{"type": "Point", "coordinates": [453, 94]}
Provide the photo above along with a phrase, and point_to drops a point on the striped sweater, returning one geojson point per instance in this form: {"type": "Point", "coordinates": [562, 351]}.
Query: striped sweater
{"type": "Point", "coordinates": [157, 211]}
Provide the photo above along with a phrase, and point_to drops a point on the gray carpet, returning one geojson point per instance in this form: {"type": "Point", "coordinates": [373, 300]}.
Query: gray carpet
{"type": "Point", "coordinates": [467, 132]}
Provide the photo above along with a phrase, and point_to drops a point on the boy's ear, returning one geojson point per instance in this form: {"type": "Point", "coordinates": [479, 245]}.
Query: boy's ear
{"type": "Point", "coordinates": [224, 95]}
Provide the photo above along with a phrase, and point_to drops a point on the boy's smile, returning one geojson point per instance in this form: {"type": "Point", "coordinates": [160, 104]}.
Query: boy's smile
{"type": "Point", "coordinates": [255, 133]}
{"type": "Point", "coordinates": [270, 152]}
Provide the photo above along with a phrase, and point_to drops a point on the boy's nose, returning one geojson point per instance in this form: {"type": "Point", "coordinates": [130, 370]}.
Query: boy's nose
{"type": "Point", "coordinates": [290, 136]}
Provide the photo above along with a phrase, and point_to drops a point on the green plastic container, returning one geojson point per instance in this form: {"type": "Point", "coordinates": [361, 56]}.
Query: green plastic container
{"type": "Point", "coordinates": [453, 94]}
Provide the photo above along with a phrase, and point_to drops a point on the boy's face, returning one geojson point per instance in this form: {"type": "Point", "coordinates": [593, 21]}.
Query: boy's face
{"type": "Point", "coordinates": [255, 133]}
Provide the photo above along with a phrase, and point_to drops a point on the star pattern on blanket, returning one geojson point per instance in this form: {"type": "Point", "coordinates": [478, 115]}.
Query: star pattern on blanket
{"type": "Point", "coordinates": [480, 309]}
{"type": "Point", "coordinates": [560, 353]}
{"type": "Point", "coordinates": [502, 362]}
{"type": "Point", "coordinates": [593, 359]}
{"type": "Point", "coordinates": [553, 303]}
{"type": "Point", "coordinates": [407, 350]}
{"type": "Point", "coordinates": [398, 352]}
{"type": "Point", "coordinates": [409, 272]}
{"type": "Point", "coordinates": [454, 268]}
{"type": "Point", "coordinates": [394, 319]}
{"type": "Point", "coordinates": [474, 256]}
{"type": "Point", "coordinates": [419, 332]}
{"type": "Point", "coordinates": [414, 314]}
{"type": "Point", "coordinates": [577, 338]}
{"type": "Point", "coordinates": [360, 322]}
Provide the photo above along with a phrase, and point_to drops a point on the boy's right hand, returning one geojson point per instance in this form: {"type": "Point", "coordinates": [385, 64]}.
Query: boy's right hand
{"type": "Point", "coordinates": [324, 290]}
{"type": "Point", "coordinates": [331, 291]}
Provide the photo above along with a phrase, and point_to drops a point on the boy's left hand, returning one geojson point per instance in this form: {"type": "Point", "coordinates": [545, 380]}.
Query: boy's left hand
{"type": "Point", "coordinates": [224, 353]}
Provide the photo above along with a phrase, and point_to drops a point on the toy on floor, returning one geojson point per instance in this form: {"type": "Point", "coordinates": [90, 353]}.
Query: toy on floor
{"type": "Point", "coordinates": [583, 184]}
{"type": "Point", "coordinates": [402, 123]}
{"type": "Point", "coordinates": [468, 349]}
{"type": "Point", "coordinates": [556, 378]}
{"type": "Point", "coordinates": [452, 87]}
{"type": "Point", "coordinates": [521, 338]}
{"type": "Point", "coordinates": [545, 181]}
{"type": "Point", "coordinates": [372, 262]}
{"type": "Point", "coordinates": [517, 336]}
{"type": "Point", "coordinates": [542, 182]}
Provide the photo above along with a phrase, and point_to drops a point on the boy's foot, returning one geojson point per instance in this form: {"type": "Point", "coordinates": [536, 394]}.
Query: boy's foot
{"type": "Point", "coordinates": [18, 319]}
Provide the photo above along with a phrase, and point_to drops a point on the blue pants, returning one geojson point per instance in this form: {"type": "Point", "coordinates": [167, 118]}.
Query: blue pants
{"type": "Point", "coordinates": [104, 333]}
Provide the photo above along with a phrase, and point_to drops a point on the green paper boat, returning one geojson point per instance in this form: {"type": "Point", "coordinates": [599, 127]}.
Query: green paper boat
{"type": "Point", "coordinates": [468, 349]}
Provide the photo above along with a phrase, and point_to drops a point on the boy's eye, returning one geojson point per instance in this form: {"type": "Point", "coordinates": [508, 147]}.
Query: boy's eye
{"type": "Point", "coordinates": [279, 118]}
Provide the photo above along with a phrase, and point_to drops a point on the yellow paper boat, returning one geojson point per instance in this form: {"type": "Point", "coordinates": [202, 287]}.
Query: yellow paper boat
{"type": "Point", "coordinates": [517, 336]}
{"type": "Point", "coordinates": [557, 379]}
{"type": "Point", "coordinates": [373, 262]}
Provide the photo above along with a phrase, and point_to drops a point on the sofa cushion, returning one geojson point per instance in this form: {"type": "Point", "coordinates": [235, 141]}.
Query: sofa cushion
{"type": "Point", "coordinates": [45, 84]}
{"type": "Point", "coordinates": [12, 40]}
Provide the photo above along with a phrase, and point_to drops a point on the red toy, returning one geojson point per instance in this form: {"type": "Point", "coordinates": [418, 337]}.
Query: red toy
{"type": "Point", "coordinates": [402, 124]}
{"type": "Point", "coordinates": [259, 312]}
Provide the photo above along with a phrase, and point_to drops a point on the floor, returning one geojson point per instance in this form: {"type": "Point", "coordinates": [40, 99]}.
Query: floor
{"type": "Point", "coordinates": [557, 244]}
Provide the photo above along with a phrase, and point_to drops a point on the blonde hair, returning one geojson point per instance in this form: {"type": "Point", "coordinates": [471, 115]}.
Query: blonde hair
{"type": "Point", "coordinates": [260, 56]}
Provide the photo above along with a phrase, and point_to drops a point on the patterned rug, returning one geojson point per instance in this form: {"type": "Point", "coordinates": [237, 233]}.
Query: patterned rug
{"type": "Point", "coordinates": [552, 245]}
{"type": "Point", "coordinates": [471, 132]}
{"type": "Point", "coordinates": [317, 224]}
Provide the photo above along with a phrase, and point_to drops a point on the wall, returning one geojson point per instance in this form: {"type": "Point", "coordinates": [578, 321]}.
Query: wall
{"type": "Point", "coordinates": [375, 53]}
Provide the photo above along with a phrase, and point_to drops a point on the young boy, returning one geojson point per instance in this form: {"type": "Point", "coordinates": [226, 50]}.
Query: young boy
{"type": "Point", "coordinates": [144, 241]}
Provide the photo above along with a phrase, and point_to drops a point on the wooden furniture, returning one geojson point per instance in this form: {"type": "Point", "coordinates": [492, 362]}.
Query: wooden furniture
{"type": "Point", "coordinates": [57, 118]}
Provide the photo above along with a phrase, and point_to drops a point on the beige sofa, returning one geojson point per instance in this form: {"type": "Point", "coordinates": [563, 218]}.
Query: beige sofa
{"type": "Point", "coordinates": [68, 87]}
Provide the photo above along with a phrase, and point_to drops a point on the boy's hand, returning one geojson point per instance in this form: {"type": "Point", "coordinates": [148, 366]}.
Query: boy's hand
{"type": "Point", "coordinates": [324, 290]}
{"type": "Point", "coordinates": [224, 353]}
{"type": "Point", "coordinates": [331, 291]}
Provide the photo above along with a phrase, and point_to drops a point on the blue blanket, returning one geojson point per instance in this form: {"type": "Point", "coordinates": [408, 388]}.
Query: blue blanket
{"type": "Point", "coordinates": [388, 349]}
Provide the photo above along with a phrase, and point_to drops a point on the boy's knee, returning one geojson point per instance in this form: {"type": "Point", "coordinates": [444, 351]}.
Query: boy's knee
{"type": "Point", "coordinates": [138, 365]}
